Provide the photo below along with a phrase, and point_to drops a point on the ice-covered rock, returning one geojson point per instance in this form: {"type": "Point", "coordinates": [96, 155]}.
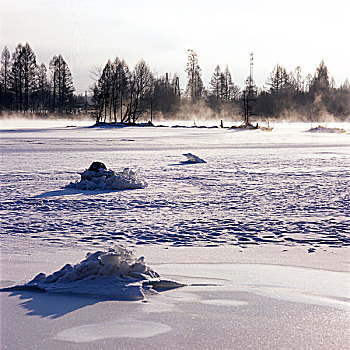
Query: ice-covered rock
{"type": "Point", "coordinates": [97, 177]}
{"type": "Point", "coordinates": [113, 274]}
{"type": "Point", "coordinates": [191, 158]}
{"type": "Point", "coordinates": [95, 166]}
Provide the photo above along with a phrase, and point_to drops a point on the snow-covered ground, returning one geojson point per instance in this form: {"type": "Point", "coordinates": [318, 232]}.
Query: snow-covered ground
{"type": "Point", "coordinates": [286, 186]}
{"type": "Point", "coordinates": [258, 233]}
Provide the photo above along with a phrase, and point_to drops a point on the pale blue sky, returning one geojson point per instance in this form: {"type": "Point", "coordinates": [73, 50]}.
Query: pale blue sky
{"type": "Point", "coordinates": [88, 32]}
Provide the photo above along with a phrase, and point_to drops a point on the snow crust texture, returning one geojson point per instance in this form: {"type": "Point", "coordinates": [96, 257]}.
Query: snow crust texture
{"type": "Point", "coordinates": [286, 187]}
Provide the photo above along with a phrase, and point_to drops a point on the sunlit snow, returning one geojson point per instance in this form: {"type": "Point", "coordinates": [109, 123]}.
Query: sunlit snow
{"type": "Point", "coordinates": [286, 187]}
{"type": "Point", "coordinates": [112, 274]}
{"type": "Point", "coordinates": [108, 180]}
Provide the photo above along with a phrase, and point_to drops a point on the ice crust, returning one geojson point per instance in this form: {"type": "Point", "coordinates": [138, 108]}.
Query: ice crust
{"type": "Point", "coordinates": [109, 180]}
{"type": "Point", "coordinates": [115, 274]}
{"type": "Point", "coordinates": [288, 187]}
{"type": "Point", "coordinates": [191, 158]}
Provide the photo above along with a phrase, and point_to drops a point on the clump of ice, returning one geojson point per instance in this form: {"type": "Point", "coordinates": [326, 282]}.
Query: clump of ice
{"type": "Point", "coordinates": [115, 274]}
{"type": "Point", "coordinates": [103, 179]}
{"type": "Point", "coordinates": [323, 129]}
{"type": "Point", "coordinates": [191, 158]}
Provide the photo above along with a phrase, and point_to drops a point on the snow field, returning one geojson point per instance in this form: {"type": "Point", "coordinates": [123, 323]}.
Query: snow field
{"type": "Point", "coordinates": [285, 187]}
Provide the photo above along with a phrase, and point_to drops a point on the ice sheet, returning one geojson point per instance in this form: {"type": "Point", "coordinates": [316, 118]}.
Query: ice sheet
{"type": "Point", "coordinates": [286, 187]}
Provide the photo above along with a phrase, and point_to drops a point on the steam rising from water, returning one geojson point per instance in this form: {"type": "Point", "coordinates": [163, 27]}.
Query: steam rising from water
{"type": "Point", "coordinates": [19, 121]}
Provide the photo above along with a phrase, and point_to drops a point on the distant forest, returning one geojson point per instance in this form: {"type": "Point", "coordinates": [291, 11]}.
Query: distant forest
{"type": "Point", "coordinates": [122, 94]}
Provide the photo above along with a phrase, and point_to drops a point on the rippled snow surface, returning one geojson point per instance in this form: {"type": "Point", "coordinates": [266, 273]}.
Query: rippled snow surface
{"type": "Point", "coordinates": [285, 186]}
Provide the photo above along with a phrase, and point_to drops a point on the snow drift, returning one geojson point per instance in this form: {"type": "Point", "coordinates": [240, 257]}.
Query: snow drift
{"type": "Point", "coordinates": [116, 274]}
{"type": "Point", "coordinates": [97, 177]}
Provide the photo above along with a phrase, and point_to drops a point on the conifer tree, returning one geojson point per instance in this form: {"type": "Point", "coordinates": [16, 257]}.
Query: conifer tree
{"type": "Point", "coordinates": [42, 89]}
{"type": "Point", "coordinates": [320, 83]}
{"type": "Point", "coordinates": [216, 83]}
{"type": "Point", "coordinates": [278, 80]}
{"type": "Point", "coordinates": [62, 86]}
{"type": "Point", "coordinates": [5, 71]}
{"type": "Point", "coordinates": [194, 75]}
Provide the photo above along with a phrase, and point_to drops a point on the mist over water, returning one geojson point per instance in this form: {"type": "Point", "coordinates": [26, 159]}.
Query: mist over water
{"type": "Point", "coordinates": [196, 116]}
{"type": "Point", "coordinates": [16, 121]}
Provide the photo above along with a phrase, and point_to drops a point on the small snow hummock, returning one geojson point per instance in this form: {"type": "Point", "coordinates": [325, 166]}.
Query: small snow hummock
{"type": "Point", "coordinates": [191, 159]}
{"type": "Point", "coordinates": [324, 129]}
{"type": "Point", "coordinates": [97, 177]}
{"type": "Point", "coordinates": [116, 274]}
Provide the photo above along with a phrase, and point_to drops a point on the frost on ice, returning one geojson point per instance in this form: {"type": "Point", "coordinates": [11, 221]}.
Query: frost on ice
{"type": "Point", "coordinates": [97, 177]}
{"type": "Point", "coordinates": [115, 274]}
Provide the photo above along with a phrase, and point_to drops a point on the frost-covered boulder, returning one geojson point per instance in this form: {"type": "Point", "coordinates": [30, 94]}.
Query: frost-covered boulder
{"type": "Point", "coordinates": [96, 166]}
{"type": "Point", "coordinates": [97, 177]}
{"type": "Point", "coordinates": [113, 274]}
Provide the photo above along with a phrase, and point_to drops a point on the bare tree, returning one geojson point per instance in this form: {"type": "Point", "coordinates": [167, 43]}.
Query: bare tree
{"type": "Point", "coordinates": [140, 92]}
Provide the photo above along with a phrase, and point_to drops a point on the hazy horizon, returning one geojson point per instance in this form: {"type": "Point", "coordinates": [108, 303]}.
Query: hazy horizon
{"type": "Point", "coordinates": [88, 33]}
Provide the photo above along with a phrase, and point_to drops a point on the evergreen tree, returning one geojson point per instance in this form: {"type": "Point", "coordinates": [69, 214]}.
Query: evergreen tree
{"type": "Point", "coordinates": [5, 71]}
{"type": "Point", "coordinates": [332, 83]}
{"type": "Point", "coordinates": [194, 88]}
{"type": "Point", "coordinates": [216, 83]}
{"type": "Point", "coordinates": [42, 89]}
{"type": "Point", "coordinates": [230, 91]}
{"type": "Point", "coordinates": [320, 83]}
{"type": "Point", "coordinates": [320, 92]}
{"type": "Point", "coordinates": [30, 67]}
{"type": "Point", "coordinates": [278, 80]}
{"type": "Point", "coordinates": [23, 77]}
{"type": "Point", "coordinates": [62, 86]}
{"type": "Point", "coordinates": [103, 92]}
{"type": "Point", "coordinates": [17, 78]}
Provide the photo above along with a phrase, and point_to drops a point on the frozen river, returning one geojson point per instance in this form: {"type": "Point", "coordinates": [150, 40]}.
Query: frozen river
{"type": "Point", "coordinates": [286, 187]}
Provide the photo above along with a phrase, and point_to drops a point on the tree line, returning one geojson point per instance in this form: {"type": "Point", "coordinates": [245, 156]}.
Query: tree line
{"type": "Point", "coordinates": [122, 94]}
{"type": "Point", "coordinates": [29, 87]}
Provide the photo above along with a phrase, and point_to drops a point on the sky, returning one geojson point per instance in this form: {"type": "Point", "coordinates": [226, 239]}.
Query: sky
{"type": "Point", "coordinates": [89, 32]}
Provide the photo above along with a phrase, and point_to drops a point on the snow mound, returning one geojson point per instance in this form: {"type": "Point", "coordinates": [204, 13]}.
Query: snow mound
{"type": "Point", "coordinates": [323, 129]}
{"type": "Point", "coordinates": [116, 274]}
{"type": "Point", "coordinates": [191, 159]}
{"type": "Point", "coordinates": [102, 179]}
